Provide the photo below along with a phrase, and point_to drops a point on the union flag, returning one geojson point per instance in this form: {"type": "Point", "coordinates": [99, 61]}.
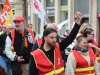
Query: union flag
{"type": "Point", "coordinates": [6, 14]}
{"type": "Point", "coordinates": [38, 9]}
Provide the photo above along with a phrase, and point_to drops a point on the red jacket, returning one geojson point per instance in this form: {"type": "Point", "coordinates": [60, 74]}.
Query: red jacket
{"type": "Point", "coordinates": [95, 51]}
{"type": "Point", "coordinates": [39, 41]}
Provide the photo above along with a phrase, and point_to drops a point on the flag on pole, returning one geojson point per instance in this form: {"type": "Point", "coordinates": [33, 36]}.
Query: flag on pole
{"type": "Point", "coordinates": [38, 9]}
{"type": "Point", "coordinates": [6, 14]}
{"type": "Point", "coordinates": [62, 24]}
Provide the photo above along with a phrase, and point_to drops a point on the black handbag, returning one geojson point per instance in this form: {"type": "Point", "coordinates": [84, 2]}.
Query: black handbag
{"type": "Point", "coordinates": [16, 66]}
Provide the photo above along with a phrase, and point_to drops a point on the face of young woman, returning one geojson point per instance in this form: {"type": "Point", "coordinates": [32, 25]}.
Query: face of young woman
{"type": "Point", "coordinates": [83, 43]}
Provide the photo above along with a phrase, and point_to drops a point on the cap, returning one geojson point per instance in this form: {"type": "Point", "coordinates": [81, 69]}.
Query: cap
{"type": "Point", "coordinates": [18, 18]}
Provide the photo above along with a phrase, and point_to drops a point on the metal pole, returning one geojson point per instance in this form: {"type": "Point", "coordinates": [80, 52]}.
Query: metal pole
{"type": "Point", "coordinates": [48, 21]}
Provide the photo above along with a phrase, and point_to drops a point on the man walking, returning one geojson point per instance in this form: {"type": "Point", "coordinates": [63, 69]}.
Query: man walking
{"type": "Point", "coordinates": [47, 60]}
{"type": "Point", "coordinates": [18, 45]}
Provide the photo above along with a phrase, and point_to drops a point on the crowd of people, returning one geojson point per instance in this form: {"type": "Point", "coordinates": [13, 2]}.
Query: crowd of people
{"type": "Point", "coordinates": [22, 54]}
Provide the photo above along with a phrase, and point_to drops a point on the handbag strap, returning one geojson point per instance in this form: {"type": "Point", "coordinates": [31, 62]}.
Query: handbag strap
{"type": "Point", "coordinates": [22, 42]}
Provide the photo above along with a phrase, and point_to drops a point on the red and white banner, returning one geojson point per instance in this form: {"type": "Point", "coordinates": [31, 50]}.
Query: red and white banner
{"type": "Point", "coordinates": [6, 14]}
{"type": "Point", "coordinates": [38, 9]}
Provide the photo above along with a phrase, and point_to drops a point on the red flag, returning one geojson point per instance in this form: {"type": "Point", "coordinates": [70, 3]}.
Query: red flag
{"type": "Point", "coordinates": [6, 13]}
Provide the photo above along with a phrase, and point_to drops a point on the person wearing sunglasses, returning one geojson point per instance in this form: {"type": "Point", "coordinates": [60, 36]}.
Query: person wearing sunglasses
{"type": "Point", "coordinates": [89, 34]}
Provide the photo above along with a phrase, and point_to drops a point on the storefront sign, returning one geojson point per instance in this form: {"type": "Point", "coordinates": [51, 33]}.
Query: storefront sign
{"type": "Point", "coordinates": [85, 15]}
{"type": "Point", "coordinates": [50, 12]}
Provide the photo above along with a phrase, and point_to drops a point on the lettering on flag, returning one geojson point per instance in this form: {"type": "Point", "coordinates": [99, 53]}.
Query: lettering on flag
{"type": "Point", "coordinates": [6, 13]}
{"type": "Point", "coordinates": [36, 6]}
{"type": "Point", "coordinates": [38, 9]}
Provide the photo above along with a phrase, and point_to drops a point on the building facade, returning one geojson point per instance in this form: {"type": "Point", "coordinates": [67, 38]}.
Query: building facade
{"type": "Point", "coordinates": [58, 11]}
{"type": "Point", "coordinates": [91, 13]}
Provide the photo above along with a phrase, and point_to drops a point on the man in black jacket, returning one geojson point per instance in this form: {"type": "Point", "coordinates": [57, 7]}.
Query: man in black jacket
{"type": "Point", "coordinates": [47, 46]}
{"type": "Point", "coordinates": [22, 43]}
{"type": "Point", "coordinates": [4, 61]}
{"type": "Point", "coordinates": [49, 25]}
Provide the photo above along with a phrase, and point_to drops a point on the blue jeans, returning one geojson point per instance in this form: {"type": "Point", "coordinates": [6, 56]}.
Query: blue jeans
{"type": "Point", "coordinates": [5, 63]}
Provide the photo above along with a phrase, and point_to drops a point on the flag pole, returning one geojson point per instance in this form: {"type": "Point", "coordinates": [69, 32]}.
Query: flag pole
{"type": "Point", "coordinates": [48, 21]}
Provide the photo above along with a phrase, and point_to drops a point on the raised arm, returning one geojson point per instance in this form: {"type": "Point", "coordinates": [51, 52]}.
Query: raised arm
{"type": "Point", "coordinates": [69, 39]}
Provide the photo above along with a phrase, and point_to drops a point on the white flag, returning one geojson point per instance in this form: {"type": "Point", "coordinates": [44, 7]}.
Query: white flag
{"type": "Point", "coordinates": [62, 24]}
{"type": "Point", "coordinates": [38, 9]}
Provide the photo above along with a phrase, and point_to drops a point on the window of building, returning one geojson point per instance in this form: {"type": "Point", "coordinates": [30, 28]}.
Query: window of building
{"type": "Point", "coordinates": [64, 16]}
{"type": "Point", "coordinates": [50, 3]}
{"type": "Point", "coordinates": [64, 2]}
{"type": "Point", "coordinates": [83, 7]}
{"type": "Point", "coordinates": [98, 7]}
